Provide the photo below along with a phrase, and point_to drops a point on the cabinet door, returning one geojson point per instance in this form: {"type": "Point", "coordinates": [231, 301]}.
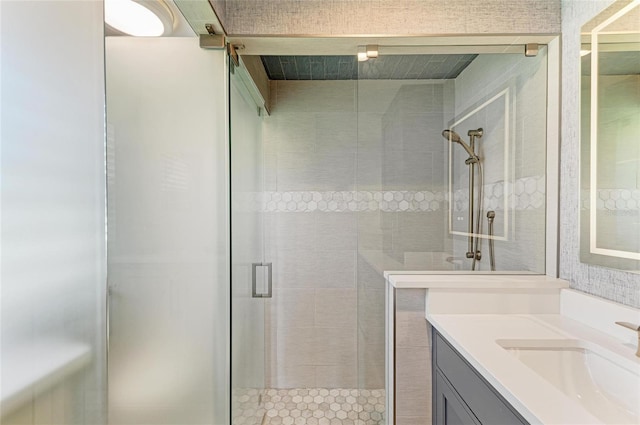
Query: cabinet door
{"type": "Point", "coordinates": [449, 409]}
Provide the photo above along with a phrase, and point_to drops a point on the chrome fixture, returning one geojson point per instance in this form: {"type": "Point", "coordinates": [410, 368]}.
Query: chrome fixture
{"type": "Point", "coordinates": [531, 50]}
{"type": "Point", "coordinates": [472, 251]}
{"type": "Point", "coordinates": [491, 215]}
{"type": "Point", "coordinates": [370, 51]}
{"type": "Point", "coordinates": [635, 328]}
{"type": "Point", "coordinates": [254, 284]}
{"type": "Point", "coordinates": [452, 136]}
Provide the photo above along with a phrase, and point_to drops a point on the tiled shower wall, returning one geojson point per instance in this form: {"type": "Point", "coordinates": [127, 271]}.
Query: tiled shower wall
{"type": "Point", "coordinates": [413, 359]}
{"type": "Point", "coordinates": [310, 146]}
{"type": "Point", "coordinates": [355, 186]}
{"type": "Point", "coordinates": [486, 76]}
{"type": "Point", "coordinates": [400, 152]}
{"type": "Point", "coordinates": [523, 81]}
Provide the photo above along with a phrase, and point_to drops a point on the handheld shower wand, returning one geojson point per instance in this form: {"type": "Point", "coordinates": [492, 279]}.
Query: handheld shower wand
{"type": "Point", "coordinates": [491, 216]}
{"type": "Point", "coordinates": [452, 136]}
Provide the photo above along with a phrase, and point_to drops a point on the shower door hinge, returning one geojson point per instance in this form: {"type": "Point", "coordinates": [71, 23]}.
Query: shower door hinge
{"type": "Point", "coordinates": [212, 41]}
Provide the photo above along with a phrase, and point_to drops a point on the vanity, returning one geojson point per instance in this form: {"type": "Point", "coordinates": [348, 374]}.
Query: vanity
{"type": "Point", "coordinates": [522, 349]}
{"type": "Point", "coordinates": [461, 395]}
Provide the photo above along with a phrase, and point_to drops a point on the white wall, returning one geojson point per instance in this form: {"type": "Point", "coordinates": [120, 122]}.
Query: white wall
{"type": "Point", "coordinates": [168, 231]}
{"type": "Point", "coordinates": [615, 285]}
{"type": "Point", "coordinates": [53, 200]}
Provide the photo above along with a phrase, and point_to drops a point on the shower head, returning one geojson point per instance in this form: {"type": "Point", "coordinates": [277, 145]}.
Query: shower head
{"type": "Point", "coordinates": [452, 136]}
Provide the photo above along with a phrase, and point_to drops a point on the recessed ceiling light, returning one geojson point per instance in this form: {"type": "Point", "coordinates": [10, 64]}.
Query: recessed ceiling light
{"type": "Point", "coordinates": [143, 18]}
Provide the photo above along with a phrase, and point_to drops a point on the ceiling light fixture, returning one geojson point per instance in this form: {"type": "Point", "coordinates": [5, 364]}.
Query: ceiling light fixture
{"type": "Point", "coordinates": [142, 18]}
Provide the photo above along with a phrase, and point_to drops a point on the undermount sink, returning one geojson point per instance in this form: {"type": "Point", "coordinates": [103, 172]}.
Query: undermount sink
{"type": "Point", "coordinates": [605, 384]}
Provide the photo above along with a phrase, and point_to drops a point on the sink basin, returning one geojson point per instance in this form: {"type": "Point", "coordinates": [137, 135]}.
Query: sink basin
{"type": "Point", "coordinates": [605, 384]}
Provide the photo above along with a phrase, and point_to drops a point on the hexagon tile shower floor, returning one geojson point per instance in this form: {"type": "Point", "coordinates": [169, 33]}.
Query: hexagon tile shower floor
{"type": "Point", "coordinates": [315, 406]}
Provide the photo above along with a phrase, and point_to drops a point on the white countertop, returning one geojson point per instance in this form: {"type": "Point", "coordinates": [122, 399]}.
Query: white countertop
{"type": "Point", "coordinates": [569, 378]}
{"type": "Point", "coordinates": [488, 280]}
{"type": "Point", "coordinates": [537, 400]}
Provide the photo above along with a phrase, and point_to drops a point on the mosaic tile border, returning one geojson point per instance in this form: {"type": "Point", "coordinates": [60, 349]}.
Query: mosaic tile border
{"type": "Point", "coordinates": [353, 201]}
{"type": "Point", "coordinates": [613, 200]}
{"type": "Point", "coordinates": [526, 193]}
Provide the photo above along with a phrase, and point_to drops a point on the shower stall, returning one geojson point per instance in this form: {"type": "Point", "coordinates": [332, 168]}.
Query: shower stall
{"type": "Point", "coordinates": [347, 176]}
{"type": "Point", "coordinates": [249, 236]}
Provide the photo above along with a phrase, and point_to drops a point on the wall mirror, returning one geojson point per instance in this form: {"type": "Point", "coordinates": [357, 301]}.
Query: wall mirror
{"type": "Point", "coordinates": [610, 138]}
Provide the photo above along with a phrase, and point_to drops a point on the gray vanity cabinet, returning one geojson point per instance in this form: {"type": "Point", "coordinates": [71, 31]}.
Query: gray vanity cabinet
{"type": "Point", "coordinates": [461, 396]}
{"type": "Point", "coordinates": [449, 407]}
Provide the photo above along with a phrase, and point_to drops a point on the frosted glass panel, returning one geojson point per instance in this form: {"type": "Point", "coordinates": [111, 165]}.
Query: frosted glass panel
{"type": "Point", "coordinates": [167, 217]}
{"type": "Point", "coordinates": [53, 256]}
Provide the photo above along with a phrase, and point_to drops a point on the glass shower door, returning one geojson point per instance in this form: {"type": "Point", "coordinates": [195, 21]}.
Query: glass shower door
{"type": "Point", "coordinates": [250, 275]}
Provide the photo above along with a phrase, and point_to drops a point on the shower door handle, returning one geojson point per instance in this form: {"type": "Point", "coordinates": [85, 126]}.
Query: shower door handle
{"type": "Point", "coordinates": [254, 290]}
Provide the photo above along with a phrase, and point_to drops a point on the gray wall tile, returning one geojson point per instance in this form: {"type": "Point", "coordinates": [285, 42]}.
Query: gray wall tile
{"type": "Point", "coordinates": [335, 308]}
{"type": "Point", "coordinates": [335, 231]}
{"type": "Point", "coordinates": [293, 376]}
{"type": "Point", "coordinates": [295, 346]}
{"type": "Point", "coordinates": [292, 308]}
{"type": "Point", "coordinates": [337, 376]}
{"type": "Point", "coordinates": [334, 346]}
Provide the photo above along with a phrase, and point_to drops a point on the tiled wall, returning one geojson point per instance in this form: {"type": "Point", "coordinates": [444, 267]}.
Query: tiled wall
{"type": "Point", "coordinates": [522, 82]}
{"type": "Point", "coordinates": [355, 186]}
{"type": "Point", "coordinates": [310, 148]}
{"type": "Point", "coordinates": [615, 285]}
{"type": "Point", "coordinates": [413, 359]}
{"type": "Point", "coordinates": [356, 183]}
{"type": "Point", "coordinates": [525, 192]}
{"type": "Point", "coordinates": [392, 17]}
{"type": "Point", "coordinates": [404, 158]}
